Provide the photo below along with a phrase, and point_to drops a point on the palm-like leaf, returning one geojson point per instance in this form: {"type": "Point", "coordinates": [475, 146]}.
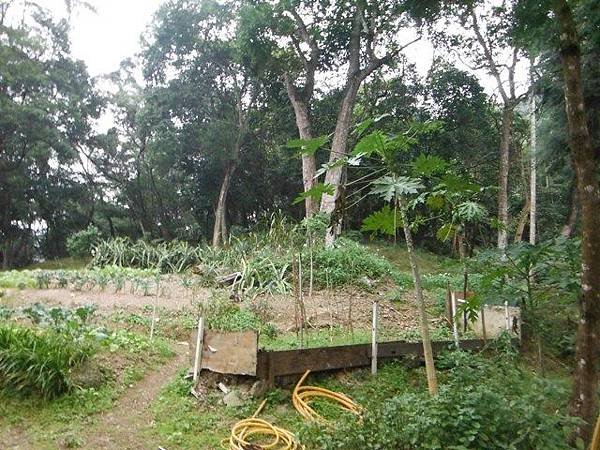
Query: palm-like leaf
{"type": "Point", "coordinates": [391, 187]}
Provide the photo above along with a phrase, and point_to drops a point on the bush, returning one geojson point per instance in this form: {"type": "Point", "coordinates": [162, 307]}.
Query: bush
{"type": "Point", "coordinates": [349, 263]}
{"type": "Point", "coordinates": [80, 244]}
{"type": "Point", "coordinates": [39, 362]}
{"type": "Point", "coordinates": [481, 404]}
{"type": "Point", "coordinates": [18, 279]}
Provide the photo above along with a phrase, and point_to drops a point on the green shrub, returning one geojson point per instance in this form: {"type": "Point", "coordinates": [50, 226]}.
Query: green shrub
{"type": "Point", "coordinates": [80, 244]}
{"type": "Point", "coordinates": [18, 279]}
{"type": "Point", "coordinates": [39, 362]}
{"type": "Point", "coordinates": [223, 315]}
{"type": "Point", "coordinates": [482, 404]}
{"type": "Point", "coordinates": [349, 263]}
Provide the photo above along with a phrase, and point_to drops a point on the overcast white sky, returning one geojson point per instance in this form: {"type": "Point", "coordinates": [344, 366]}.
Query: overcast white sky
{"type": "Point", "coordinates": [103, 39]}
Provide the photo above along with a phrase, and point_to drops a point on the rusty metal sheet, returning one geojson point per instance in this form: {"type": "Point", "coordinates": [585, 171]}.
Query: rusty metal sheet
{"type": "Point", "coordinates": [229, 353]}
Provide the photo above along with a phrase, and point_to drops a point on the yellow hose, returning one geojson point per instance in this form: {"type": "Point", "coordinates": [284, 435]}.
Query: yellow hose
{"type": "Point", "coordinates": [259, 431]}
{"type": "Point", "coordinates": [303, 395]}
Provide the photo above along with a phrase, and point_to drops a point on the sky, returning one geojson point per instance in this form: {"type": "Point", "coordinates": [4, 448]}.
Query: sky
{"type": "Point", "coordinates": [104, 38]}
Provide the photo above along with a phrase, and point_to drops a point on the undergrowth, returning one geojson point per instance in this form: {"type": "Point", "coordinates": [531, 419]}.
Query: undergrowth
{"type": "Point", "coordinates": [483, 404]}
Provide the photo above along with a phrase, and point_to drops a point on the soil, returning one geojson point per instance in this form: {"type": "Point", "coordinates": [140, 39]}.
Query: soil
{"type": "Point", "coordinates": [348, 308]}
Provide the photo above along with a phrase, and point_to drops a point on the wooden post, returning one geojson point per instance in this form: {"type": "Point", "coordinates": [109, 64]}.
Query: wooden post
{"type": "Point", "coordinates": [198, 353]}
{"type": "Point", "coordinates": [153, 321]}
{"type": "Point", "coordinates": [454, 324]}
{"type": "Point", "coordinates": [301, 302]}
{"type": "Point", "coordinates": [506, 316]}
{"type": "Point", "coordinates": [374, 338]}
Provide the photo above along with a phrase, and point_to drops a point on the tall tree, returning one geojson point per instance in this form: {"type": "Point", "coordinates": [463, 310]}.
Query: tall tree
{"type": "Point", "coordinates": [48, 105]}
{"type": "Point", "coordinates": [195, 52]}
{"type": "Point", "coordinates": [584, 401]}
{"type": "Point", "coordinates": [486, 42]}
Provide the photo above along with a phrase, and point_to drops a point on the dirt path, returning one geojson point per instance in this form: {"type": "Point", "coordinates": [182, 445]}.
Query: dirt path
{"type": "Point", "coordinates": [122, 427]}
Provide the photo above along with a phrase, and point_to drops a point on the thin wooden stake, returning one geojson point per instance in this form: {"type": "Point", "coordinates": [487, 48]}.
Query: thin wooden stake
{"type": "Point", "coordinates": [506, 316]}
{"type": "Point", "coordinates": [198, 353]}
{"type": "Point", "coordinates": [454, 324]}
{"type": "Point", "coordinates": [153, 321]}
{"type": "Point", "coordinates": [374, 338]}
{"type": "Point", "coordinates": [301, 301]}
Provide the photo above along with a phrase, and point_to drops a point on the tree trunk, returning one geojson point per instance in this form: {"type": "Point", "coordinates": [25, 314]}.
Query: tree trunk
{"type": "Point", "coordinates": [585, 386]}
{"type": "Point", "coordinates": [427, 351]}
{"type": "Point", "coordinates": [309, 169]}
{"type": "Point", "coordinates": [532, 164]}
{"type": "Point", "coordinates": [220, 228]}
{"type": "Point", "coordinates": [506, 128]}
{"type": "Point", "coordinates": [525, 214]}
{"type": "Point", "coordinates": [568, 228]}
{"type": "Point", "coordinates": [338, 150]}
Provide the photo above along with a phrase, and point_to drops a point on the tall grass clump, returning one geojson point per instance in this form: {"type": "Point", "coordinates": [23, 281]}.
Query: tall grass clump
{"type": "Point", "coordinates": [39, 362]}
{"type": "Point", "coordinates": [167, 257]}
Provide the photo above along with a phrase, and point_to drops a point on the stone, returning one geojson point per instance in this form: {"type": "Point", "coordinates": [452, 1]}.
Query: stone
{"type": "Point", "coordinates": [233, 400]}
{"type": "Point", "coordinates": [259, 389]}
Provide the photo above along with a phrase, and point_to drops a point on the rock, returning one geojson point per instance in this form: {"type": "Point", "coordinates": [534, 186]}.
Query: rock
{"type": "Point", "coordinates": [259, 389]}
{"type": "Point", "coordinates": [233, 400]}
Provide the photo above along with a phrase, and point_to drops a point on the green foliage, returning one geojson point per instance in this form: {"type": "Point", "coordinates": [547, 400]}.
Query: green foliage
{"type": "Point", "coordinates": [484, 404]}
{"type": "Point", "coordinates": [81, 243]}
{"type": "Point", "coordinates": [308, 146]}
{"type": "Point", "coordinates": [315, 192]}
{"type": "Point", "coordinates": [18, 279]}
{"type": "Point", "coordinates": [39, 362]}
{"type": "Point", "coordinates": [223, 315]}
{"type": "Point", "coordinates": [391, 187]}
{"type": "Point", "coordinates": [347, 263]}
{"type": "Point", "coordinates": [382, 222]}
{"type": "Point", "coordinates": [166, 257]}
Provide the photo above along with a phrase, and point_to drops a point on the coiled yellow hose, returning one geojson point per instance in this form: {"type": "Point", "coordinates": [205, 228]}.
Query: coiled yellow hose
{"type": "Point", "coordinates": [247, 434]}
{"type": "Point", "coordinates": [303, 395]}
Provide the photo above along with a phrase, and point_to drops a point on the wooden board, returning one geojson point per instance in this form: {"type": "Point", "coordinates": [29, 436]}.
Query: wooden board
{"type": "Point", "coordinates": [272, 364]}
{"type": "Point", "coordinates": [231, 353]}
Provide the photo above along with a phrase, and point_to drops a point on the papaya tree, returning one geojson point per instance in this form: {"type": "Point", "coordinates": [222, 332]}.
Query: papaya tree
{"type": "Point", "coordinates": [398, 190]}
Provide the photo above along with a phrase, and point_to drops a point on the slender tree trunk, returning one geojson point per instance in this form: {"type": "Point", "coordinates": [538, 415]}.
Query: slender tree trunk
{"type": "Point", "coordinates": [220, 228]}
{"type": "Point", "coordinates": [584, 399]}
{"type": "Point", "coordinates": [525, 214]}
{"type": "Point", "coordinates": [532, 163]}
{"type": "Point", "coordinates": [427, 350]}
{"type": "Point", "coordinates": [309, 169]}
{"type": "Point", "coordinates": [567, 229]}
{"type": "Point", "coordinates": [506, 128]}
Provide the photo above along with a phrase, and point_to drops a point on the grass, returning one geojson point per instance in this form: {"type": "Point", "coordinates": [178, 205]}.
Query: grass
{"type": "Point", "coordinates": [64, 421]}
{"type": "Point", "coordinates": [68, 263]}
{"type": "Point", "coordinates": [329, 337]}
{"type": "Point", "coordinates": [429, 263]}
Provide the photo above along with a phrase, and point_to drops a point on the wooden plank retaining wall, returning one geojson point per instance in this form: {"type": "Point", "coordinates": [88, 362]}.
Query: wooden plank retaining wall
{"type": "Point", "coordinates": [271, 364]}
